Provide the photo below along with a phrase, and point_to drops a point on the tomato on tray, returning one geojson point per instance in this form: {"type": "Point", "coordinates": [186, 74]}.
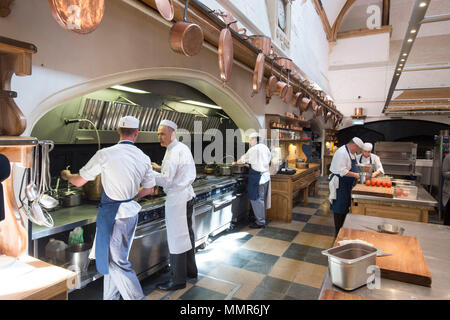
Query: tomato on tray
{"type": "Point", "coordinates": [383, 184]}
{"type": "Point", "coordinates": [367, 182]}
{"type": "Point", "coordinates": [373, 183]}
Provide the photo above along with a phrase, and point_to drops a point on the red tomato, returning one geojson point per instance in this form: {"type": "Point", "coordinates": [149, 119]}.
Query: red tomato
{"type": "Point", "coordinates": [378, 183]}
{"type": "Point", "coordinates": [399, 192]}
{"type": "Point", "coordinates": [389, 184]}
{"type": "Point", "coordinates": [383, 184]}
{"type": "Point", "coordinates": [367, 182]}
{"type": "Point", "coordinates": [405, 193]}
{"type": "Point", "coordinates": [373, 183]}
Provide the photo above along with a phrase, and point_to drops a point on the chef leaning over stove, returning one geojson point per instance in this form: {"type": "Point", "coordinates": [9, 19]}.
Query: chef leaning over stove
{"type": "Point", "coordinates": [123, 168]}
{"type": "Point", "coordinates": [177, 173]}
{"type": "Point", "coordinates": [367, 157]}
{"type": "Point", "coordinates": [344, 174]}
{"type": "Point", "coordinates": [259, 191]}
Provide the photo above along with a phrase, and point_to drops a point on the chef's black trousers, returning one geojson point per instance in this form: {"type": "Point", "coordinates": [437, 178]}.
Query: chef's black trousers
{"type": "Point", "coordinates": [339, 219]}
{"type": "Point", "coordinates": [447, 214]}
{"type": "Point", "coordinates": [183, 265]}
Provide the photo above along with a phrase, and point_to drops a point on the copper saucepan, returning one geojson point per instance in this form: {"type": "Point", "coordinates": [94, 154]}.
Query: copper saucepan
{"type": "Point", "coordinates": [165, 8]}
{"type": "Point", "coordinates": [289, 90]}
{"type": "Point", "coordinates": [271, 84]}
{"type": "Point", "coordinates": [281, 87]}
{"type": "Point", "coordinates": [186, 37]}
{"type": "Point", "coordinates": [304, 104]}
{"type": "Point", "coordinates": [225, 53]}
{"type": "Point", "coordinates": [258, 73]}
{"type": "Point", "coordinates": [297, 99]}
{"type": "Point", "coordinates": [286, 63]}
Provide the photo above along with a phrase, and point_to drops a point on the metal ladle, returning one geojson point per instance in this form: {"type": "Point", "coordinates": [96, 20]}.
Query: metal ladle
{"type": "Point", "coordinates": [46, 200]}
{"type": "Point", "coordinates": [31, 190]}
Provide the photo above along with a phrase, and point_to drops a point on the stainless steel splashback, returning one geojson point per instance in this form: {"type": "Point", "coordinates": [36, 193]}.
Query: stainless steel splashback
{"type": "Point", "coordinates": [397, 158]}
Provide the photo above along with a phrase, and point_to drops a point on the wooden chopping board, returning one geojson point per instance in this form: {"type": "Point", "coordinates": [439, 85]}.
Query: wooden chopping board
{"type": "Point", "coordinates": [373, 191]}
{"type": "Point", "coordinates": [336, 295]}
{"type": "Point", "coordinates": [406, 263]}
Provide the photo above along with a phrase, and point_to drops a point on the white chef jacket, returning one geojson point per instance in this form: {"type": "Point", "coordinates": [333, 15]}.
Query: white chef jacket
{"type": "Point", "coordinates": [123, 168]}
{"type": "Point", "coordinates": [375, 161]}
{"type": "Point", "coordinates": [259, 157]}
{"type": "Point", "coordinates": [341, 162]}
{"type": "Point", "coordinates": [177, 170]}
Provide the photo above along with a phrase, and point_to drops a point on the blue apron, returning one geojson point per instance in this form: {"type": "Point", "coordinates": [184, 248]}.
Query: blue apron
{"type": "Point", "coordinates": [344, 193]}
{"type": "Point", "coordinates": [253, 184]}
{"type": "Point", "coordinates": [106, 217]}
{"type": "Point", "coordinates": [360, 158]}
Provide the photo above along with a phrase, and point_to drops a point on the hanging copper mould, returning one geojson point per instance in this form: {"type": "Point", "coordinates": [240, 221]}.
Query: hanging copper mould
{"type": "Point", "coordinates": [79, 16]}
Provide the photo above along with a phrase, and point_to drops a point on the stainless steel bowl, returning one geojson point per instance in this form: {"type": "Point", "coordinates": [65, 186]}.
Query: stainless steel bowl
{"type": "Point", "coordinates": [391, 229]}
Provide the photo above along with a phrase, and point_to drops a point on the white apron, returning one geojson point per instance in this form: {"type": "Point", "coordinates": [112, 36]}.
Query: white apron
{"type": "Point", "coordinates": [269, 196]}
{"type": "Point", "coordinates": [176, 221]}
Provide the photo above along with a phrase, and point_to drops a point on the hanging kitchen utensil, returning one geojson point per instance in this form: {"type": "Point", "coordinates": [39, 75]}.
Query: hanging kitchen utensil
{"type": "Point", "coordinates": [164, 7]}
{"type": "Point", "coordinates": [297, 101]}
{"type": "Point", "coordinates": [314, 108]}
{"type": "Point", "coordinates": [328, 116]}
{"type": "Point", "coordinates": [304, 104]}
{"type": "Point", "coordinates": [228, 18]}
{"type": "Point", "coordinates": [289, 90]}
{"type": "Point", "coordinates": [258, 73]}
{"type": "Point", "coordinates": [263, 43]}
{"type": "Point", "coordinates": [225, 53]}
{"type": "Point", "coordinates": [186, 37]}
{"type": "Point", "coordinates": [281, 88]}
{"type": "Point", "coordinates": [79, 16]}
{"type": "Point", "coordinates": [271, 84]}
{"type": "Point", "coordinates": [286, 63]}
{"type": "Point", "coordinates": [32, 190]}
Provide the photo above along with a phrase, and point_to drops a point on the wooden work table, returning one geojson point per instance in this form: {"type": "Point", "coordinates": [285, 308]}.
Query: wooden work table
{"type": "Point", "coordinates": [286, 188]}
{"type": "Point", "coordinates": [33, 279]}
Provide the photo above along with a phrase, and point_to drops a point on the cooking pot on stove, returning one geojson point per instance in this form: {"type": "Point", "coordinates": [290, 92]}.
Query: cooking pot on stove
{"type": "Point", "coordinates": [209, 169]}
{"type": "Point", "coordinates": [239, 169]}
{"type": "Point", "coordinates": [70, 198]}
{"type": "Point", "coordinates": [225, 170]}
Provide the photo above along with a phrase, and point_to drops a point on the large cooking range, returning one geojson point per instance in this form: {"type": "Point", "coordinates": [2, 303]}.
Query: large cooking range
{"type": "Point", "coordinates": [219, 203]}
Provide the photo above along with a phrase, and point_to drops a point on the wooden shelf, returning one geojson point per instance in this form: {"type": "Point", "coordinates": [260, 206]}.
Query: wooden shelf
{"type": "Point", "coordinates": [302, 123]}
{"type": "Point", "coordinates": [285, 129]}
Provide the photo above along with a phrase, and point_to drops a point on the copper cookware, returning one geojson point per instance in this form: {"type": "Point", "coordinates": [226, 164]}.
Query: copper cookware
{"type": "Point", "coordinates": [186, 37]}
{"type": "Point", "coordinates": [271, 84]}
{"type": "Point", "coordinates": [286, 63]}
{"type": "Point", "coordinates": [328, 116]}
{"type": "Point", "coordinates": [281, 87]}
{"type": "Point", "coordinates": [258, 73]}
{"type": "Point", "coordinates": [262, 42]}
{"type": "Point", "coordinates": [289, 91]}
{"type": "Point", "coordinates": [297, 99]}
{"type": "Point", "coordinates": [304, 104]}
{"type": "Point", "coordinates": [228, 18]}
{"type": "Point", "coordinates": [164, 7]}
{"type": "Point", "coordinates": [79, 16]}
{"type": "Point", "coordinates": [225, 53]}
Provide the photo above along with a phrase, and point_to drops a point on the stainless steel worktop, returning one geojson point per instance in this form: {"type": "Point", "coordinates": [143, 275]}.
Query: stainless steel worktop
{"type": "Point", "coordinates": [423, 198]}
{"type": "Point", "coordinates": [434, 240]}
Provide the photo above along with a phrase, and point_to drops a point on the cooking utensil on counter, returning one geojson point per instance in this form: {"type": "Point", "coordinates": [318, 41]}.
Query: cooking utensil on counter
{"type": "Point", "coordinates": [391, 229]}
{"type": "Point", "coordinates": [186, 37]}
{"type": "Point", "coordinates": [225, 170]}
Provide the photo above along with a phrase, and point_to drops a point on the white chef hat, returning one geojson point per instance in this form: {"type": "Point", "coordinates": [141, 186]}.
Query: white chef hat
{"type": "Point", "coordinates": [129, 122]}
{"type": "Point", "coordinates": [358, 142]}
{"type": "Point", "coordinates": [169, 123]}
{"type": "Point", "coordinates": [367, 146]}
{"type": "Point", "coordinates": [254, 135]}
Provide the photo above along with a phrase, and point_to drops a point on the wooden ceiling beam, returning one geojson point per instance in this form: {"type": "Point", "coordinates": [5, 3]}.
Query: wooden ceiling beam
{"type": "Point", "coordinates": [340, 17]}
{"type": "Point", "coordinates": [386, 10]}
{"type": "Point", "coordinates": [323, 17]}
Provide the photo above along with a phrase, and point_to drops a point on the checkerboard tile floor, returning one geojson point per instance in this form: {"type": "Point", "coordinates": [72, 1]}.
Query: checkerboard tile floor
{"type": "Point", "coordinates": [281, 261]}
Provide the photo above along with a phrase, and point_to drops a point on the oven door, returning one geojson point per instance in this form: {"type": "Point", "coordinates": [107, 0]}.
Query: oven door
{"type": "Point", "coordinates": [202, 222]}
{"type": "Point", "coordinates": [149, 251]}
{"type": "Point", "coordinates": [222, 214]}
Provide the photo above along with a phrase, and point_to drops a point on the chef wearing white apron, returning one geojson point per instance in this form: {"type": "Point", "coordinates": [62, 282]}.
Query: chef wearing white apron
{"type": "Point", "coordinates": [367, 157]}
{"type": "Point", "coordinates": [176, 177]}
{"type": "Point", "coordinates": [259, 191]}
{"type": "Point", "coordinates": [123, 168]}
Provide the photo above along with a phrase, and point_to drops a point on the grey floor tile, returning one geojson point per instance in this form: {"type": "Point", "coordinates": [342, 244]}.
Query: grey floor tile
{"type": "Point", "coordinates": [313, 205]}
{"type": "Point", "coordinates": [261, 294]}
{"type": "Point", "coordinates": [319, 229]}
{"type": "Point", "coordinates": [302, 292]}
{"type": "Point", "coordinates": [259, 266]}
{"type": "Point", "coordinates": [306, 253]}
{"type": "Point", "coordinates": [300, 217]}
{"type": "Point", "coordinates": [275, 284]}
{"type": "Point", "coordinates": [278, 233]}
{"type": "Point", "coordinates": [200, 293]}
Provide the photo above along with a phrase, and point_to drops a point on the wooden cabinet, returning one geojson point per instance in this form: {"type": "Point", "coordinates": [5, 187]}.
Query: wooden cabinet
{"type": "Point", "coordinates": [286, 189]}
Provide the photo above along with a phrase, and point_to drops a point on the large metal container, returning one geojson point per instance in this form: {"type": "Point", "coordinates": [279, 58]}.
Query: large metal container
{"type": "Point", "coordinates": [78, 255]}
{"type": "Point", "coordinates": [348, 264]}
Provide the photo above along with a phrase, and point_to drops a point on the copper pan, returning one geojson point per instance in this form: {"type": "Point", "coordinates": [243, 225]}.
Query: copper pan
{"type": "Point", "coordinates": [281, 87]}
{"type": "Point", "coordinates": [164, 7]}
{"type": "Point", "coordinates": [271, 84]}
{"type": "Point", "coordinates": [296, 102]}
{"type": "Point", "coordinates": [78, 16]}
{"type": "Point", "coordinates": [228, 18]}
{"type": "Point", "coordinates": [328, 116]}
{"type": "Point", "coordinates": [225, 54]}
{"type": "Point", "coordinates": [186, 37]}
{"type": "Point", "coordinates": [289, 91]}
{"type": "Point", "coordinates": [258, 73]}
{"type": "Point", "coordinates": [304, 104]}
{"type": "Point", "coordinates": [262, 42]}
{"type": "Point", "coordinates": [314, 108]}
{"type": "Point", "coordinates": [286, 63]}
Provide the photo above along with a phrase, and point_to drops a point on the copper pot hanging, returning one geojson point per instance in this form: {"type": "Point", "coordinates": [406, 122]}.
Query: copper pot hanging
{"type": "Point", "coordinates": [296, 102]}
{"type": "Point", "coordinates": [271, 84]}
{"type": "Point", "coordinates": [286, 63]}
{"type": "Point", "coordinates": [186, 37]}
{"type": "Point", "coordinates": [289, 91]}
{"type": "Point", "coordinates": [164, 7]}
{"type": "Point", "coordinates": [281, 87]}
{"type": "Point", "coordinates": [258, 73]}
{"type": "Point", "coordinates": [304, 104]}
{"type": "Point", "coordinates": [261, 42]}
{"type": "Point", "coordinates": [225, 53]}
{"type": "Point", "coordinates": [79, 16]}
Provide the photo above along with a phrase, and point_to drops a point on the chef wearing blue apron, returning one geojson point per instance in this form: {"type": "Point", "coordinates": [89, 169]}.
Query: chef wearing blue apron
{"type": "Point", "coordinates": [124, 168]}
{"type": "Point", "coordinates": [367, 157]}
{"type": "Point", "coordinates": [344, 174]}
{"type": "Point", "coordinates": [259, 192]}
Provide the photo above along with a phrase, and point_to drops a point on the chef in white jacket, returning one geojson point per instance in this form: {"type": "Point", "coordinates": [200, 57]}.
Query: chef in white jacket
{"type": "Point", "coordinates": [123, 168]}
{"type": "Point", "coordinates": [258, 157]}
{"type": "Point", "coordinates": [367, 157]}
{"type": "Point", "coordinates": [177, 173]}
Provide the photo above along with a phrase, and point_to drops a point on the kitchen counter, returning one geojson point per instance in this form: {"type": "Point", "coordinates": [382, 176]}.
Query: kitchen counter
{"type": "Point", "coordinates": [285, 189]}
{"type": "Point", "coordinates": [395, 208]}
{"type": "Point", "coordinates": [433, 239]}
{"type": "Point", "coordinates": [32, 279]}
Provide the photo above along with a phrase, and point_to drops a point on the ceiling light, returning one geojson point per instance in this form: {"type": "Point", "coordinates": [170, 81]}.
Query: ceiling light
{"type": "Point", "coordinates": [402, 60]}
{"type": "Point", "coordinates": [413, 31]}
{"type": "Point", "coordinates": [423, 4]}
{"type": "Point", "coordinates": [397, 74]}
{"type": "Point", "coordinates": [401, 65]}
{"type": "Point", "coordinates": [201, 104]}
{"type": "Point", "coordinates": [399, 69]}
{"type": "Point", "coordinates": [133, 90]}
{"type": "Point", "coordinates": [405, 54]}
{"type": "Point", "coordinates": [410, 40]}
